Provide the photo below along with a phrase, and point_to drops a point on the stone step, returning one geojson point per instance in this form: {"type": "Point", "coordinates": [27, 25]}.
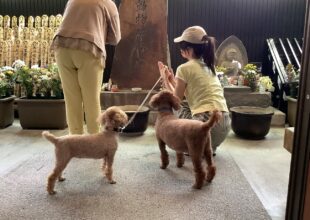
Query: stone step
{"type": "Point", "coordinates": [288, 139]}
{"type": "Point", "coordinates": [278, 119]}
{"type": "Point", "coordinates": [291, 111]}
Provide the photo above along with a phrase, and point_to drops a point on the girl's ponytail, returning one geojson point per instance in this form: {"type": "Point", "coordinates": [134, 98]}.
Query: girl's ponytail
{"type": "Point", "coordinates": [209, 52]}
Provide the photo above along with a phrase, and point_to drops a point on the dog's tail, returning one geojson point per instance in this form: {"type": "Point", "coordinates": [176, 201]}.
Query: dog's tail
{"type": "Point", "coordinates": [49, 137]}
{"type": "Point", "coordinates": [215, 117]}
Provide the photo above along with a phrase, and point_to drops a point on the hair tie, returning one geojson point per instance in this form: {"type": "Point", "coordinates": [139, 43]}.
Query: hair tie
{"type": "Point", "coordinates": [205, 39]}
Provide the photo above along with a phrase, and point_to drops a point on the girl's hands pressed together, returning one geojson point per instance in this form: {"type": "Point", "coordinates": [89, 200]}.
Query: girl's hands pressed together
{"type": "Point", "coordinates": [167, 76]}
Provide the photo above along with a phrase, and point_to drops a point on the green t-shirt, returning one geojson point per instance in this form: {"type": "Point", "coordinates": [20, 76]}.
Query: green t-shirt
{"type": "Point", "coordinates": [203, 89]}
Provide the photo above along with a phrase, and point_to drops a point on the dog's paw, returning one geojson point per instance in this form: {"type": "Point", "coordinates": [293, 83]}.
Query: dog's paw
{"type": "Point", "coordinates": [209, 178]}
{"type": "Point", "coordinates": [61, 179]}
{"type": "Point", "coordinates": [180, 165]}
{"type": "Point", "coordinates": [211, 173]}
{"type": "Point", "coordinates": [52, 192]}
{"type": "Point", "coordinates": [163, 167]}
{"type": "Point", "coordinates": [112, 182]}
{"type": "Point", "coordinates": [197, 186]}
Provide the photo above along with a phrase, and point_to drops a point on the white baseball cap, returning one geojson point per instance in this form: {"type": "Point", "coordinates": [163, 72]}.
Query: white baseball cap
{"type": "Point", "coordinates": [192, 35]}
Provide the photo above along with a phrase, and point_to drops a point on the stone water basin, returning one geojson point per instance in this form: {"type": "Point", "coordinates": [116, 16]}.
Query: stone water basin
{"type": "Point", "coordinates": [139, 123]}
{"type": "Point", "coordinates": [251, 122]}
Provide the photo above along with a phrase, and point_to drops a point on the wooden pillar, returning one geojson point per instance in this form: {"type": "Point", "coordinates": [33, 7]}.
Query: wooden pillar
{"type": "Point", "coordinates": [298, 200]}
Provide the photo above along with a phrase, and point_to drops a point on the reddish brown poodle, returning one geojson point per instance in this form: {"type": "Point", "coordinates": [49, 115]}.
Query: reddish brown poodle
{"type": "Point", "coordinates": [184, 135]}
{"type": "Point", "coordinates": [97, 146]}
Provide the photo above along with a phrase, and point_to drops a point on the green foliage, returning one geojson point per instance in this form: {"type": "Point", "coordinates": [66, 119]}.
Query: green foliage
{"type": "Point", "coordinates": [25, 79]}
{"type": "Point", "coordinates": [7, 81]}
{"type": "Point", "coordinates": [40, 82]}
{"type": "Point", "coordinates": [55, 81]}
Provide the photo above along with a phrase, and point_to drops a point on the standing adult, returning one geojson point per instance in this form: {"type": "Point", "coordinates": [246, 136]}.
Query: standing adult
{"type": "Point", "coordinates": [79, 44]}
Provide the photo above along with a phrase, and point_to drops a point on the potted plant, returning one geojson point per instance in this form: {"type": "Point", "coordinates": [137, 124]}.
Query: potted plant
{"type": "Point", "coordinates": [7, 79]}
{"type": "Point", "coordinates": [43, 106]}
{"type": "Point", "coordinates": [293, 82]}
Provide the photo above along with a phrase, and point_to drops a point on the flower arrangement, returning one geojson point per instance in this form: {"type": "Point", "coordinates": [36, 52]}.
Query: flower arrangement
{"type": "Point", "coordinates": [39, 82]}
{"type": "Point", "coordinates": [220, 72]}
{"type": "Point", "coordinates": [251, 76]}
{"type": "Point", "coordinates": [292, 73]}
{"type": "Point", "coordinates": [220, 69]}
{"type": "Point", "coordinates": [293, 79]}
{"type": "Point", "coordinates": [7, 81]}
{"type": "Point", "coordinates": [266, 83]}
{"type": "Point", "coordinates": [250, 67]}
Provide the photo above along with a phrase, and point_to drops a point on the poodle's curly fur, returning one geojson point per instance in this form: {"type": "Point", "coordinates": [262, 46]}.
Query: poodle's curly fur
{"type": "Point", "coordinates": [97, 146]}
{"type": "Point", "coordinates": [184, 135]}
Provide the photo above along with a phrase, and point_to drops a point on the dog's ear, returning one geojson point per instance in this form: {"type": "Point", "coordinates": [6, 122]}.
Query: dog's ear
{"type": "Point", "coordinates": [102, 119]}
{"type": "Point", "coordinates": [120, 118]}
{"type": "Point", "coordinates": [175, 102]}
{"type": "Point", "coordinates": [154, 101]}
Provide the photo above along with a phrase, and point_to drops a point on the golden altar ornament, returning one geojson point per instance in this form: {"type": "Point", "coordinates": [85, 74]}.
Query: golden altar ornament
{"type": "Point", "coordinates": [1, 21]}
{"type": "Point", "coordinates": [21, 21]}
{"type": "Point", "coordinates": [30, 22]}
{"type": "Point", "coordinates": [58, 20]}
{"type": "Point", "coordinates": [44, 21]}
{"type": "Point", "coordinates": [6, 21]}
{"type": "Point", "coordinates": [52, 21]}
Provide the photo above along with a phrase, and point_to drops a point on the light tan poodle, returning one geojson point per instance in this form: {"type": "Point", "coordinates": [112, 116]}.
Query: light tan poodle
{"type": "Point", "coordinates": [97, 146]}
{"type": "Point", "coordinates": [184, 135]}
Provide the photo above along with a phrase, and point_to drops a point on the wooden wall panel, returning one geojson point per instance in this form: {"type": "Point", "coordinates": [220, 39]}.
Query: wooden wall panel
{"type": "Point", "coordinates": [31, 7]}
{"type": "Point", "coordinates": [250, 20]}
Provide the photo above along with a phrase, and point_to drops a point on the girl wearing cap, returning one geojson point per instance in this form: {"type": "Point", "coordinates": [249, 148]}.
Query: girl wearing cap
{"type": "Point", "coordinates": [197, 81]}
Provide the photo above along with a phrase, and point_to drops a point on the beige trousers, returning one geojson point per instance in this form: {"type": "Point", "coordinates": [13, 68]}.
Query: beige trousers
{"type": "Point", "coordinates": [81, 75]}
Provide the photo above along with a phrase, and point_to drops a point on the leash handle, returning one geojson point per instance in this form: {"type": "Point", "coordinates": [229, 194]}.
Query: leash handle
{"type": "Point", "coordinates": [143, 102]}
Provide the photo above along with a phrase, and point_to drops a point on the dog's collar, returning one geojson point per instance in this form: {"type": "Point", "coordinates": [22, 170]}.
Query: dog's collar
{"type": "Point", "coordinates": [165, 109]}
{"type": "Point", "coordinates": [118, 129]}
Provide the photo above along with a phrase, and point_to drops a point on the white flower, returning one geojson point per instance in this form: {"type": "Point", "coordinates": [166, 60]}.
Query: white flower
{"type": "Point", "coordinates": [251, 71]}
{"type": "Point", "coordinates": [18, 64]}
{"type": "Point", "coordinates": [266, 82]}
{"type": "Point", "coordinates": [44, 77]}
{"type": "Point", "coordinates": [238, 63]}
{"type": "Point", "coordinates": [6, 68]}
{"type": "Point", "coordinates": [35, 66]}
